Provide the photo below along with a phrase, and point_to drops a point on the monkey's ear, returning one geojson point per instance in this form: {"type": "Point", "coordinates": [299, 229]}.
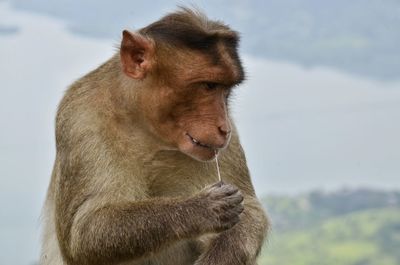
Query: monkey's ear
{"type": "Point", "coordinates": [137, 54]}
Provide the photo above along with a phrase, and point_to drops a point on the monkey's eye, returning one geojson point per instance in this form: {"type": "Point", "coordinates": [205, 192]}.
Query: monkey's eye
{"type": "Point", "coordinates": [211, 85]}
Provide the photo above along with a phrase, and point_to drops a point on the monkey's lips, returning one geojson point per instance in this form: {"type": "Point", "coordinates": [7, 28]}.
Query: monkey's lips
{"type": "Point", "coordinates": [197, 142]}
{"type": "Point", "coordinates": [200, 150]}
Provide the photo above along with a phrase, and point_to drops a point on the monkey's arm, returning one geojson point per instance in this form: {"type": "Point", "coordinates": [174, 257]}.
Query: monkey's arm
{"type": "Point", "coordinates": [128, 230]}
{"type": "Point", "coordinates": [121, 231]}
{"type": "Point", "coordinates": [101, 226]}
{"type": "Point", "coordinates": [242, 243]}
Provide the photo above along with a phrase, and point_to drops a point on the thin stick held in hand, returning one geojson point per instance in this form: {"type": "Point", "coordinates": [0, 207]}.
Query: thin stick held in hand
{"type": "Point", "coordinates": [216, 162]}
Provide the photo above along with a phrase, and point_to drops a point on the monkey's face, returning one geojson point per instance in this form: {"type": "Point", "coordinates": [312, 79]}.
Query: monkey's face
{"type": "Point", "coordinates": [190, 109]}
{"type": "Point", "coordinates": [183, 93]}
{"type": "Point", "coordinates": [192, 119]}
{"type": "Point", "coordinates": [198, 120]}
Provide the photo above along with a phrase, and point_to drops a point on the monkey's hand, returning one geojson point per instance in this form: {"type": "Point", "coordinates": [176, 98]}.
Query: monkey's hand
{"type": "Point", "coordinates": [240, 244]}
{"type": "Point", "coordinates": [220, 204]}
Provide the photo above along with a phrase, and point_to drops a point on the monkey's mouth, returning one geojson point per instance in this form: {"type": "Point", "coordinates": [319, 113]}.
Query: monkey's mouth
{"type": "Point", "coordinates": [204, 145]}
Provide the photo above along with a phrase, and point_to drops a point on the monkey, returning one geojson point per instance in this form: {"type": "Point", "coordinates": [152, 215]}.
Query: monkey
{"type": "Point", "coordinates": [133, 180]}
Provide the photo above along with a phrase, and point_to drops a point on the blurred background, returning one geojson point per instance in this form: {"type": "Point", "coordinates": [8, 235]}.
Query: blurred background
{"type": "Point", "coordinates": [319, 116]}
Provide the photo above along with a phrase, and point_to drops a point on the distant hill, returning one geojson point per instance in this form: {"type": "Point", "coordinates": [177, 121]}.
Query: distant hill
{"type": "Point", "coordinates": [308, 209]}
{"type": "Point", "coordinates": [342, 228]}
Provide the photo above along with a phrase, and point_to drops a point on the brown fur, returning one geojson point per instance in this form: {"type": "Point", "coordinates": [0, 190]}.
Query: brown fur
{"type": "Point", "coordinates": [128, 185]}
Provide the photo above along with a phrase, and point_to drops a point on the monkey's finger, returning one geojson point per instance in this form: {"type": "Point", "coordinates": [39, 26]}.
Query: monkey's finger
{"type": "Point", "coordinates": [231, 217]}
{"type": "Point", "coordinates": [239, 209]}
{"type": "Point", "coordinates": [234, 199]}
{"type": "Point", "coordinates": [229, 189]}
{"type": "Point", "coordinates": [228, 225]}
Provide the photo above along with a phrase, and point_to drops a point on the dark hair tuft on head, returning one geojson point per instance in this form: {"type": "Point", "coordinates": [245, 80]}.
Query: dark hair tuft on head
{"type": "Point", "coordinates": [192, 29]}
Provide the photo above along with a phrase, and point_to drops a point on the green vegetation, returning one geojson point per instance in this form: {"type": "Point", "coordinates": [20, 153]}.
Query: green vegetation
{"type": "Point", "coordinates": [343, 228]}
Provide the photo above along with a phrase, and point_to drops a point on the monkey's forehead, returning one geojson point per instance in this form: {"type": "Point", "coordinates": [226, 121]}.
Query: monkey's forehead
{"type": "Point", "coordinates": [185, 66]}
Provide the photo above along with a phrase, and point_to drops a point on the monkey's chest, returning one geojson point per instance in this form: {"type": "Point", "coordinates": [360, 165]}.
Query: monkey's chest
{"type": "Point", "coordinates": [178, 175]}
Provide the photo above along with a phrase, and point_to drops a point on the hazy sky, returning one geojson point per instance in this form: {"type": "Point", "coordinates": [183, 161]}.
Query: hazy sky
{"type": "Point", "coordinates": [301, 128]}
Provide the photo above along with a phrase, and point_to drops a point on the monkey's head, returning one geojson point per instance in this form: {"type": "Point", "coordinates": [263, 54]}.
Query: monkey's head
{"type": "Point", "coordinates": [185, 67]}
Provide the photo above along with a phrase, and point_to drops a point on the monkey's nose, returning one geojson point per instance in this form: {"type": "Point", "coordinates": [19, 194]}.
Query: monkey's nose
{"type": "Point", "coordinates": [224, 130]}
